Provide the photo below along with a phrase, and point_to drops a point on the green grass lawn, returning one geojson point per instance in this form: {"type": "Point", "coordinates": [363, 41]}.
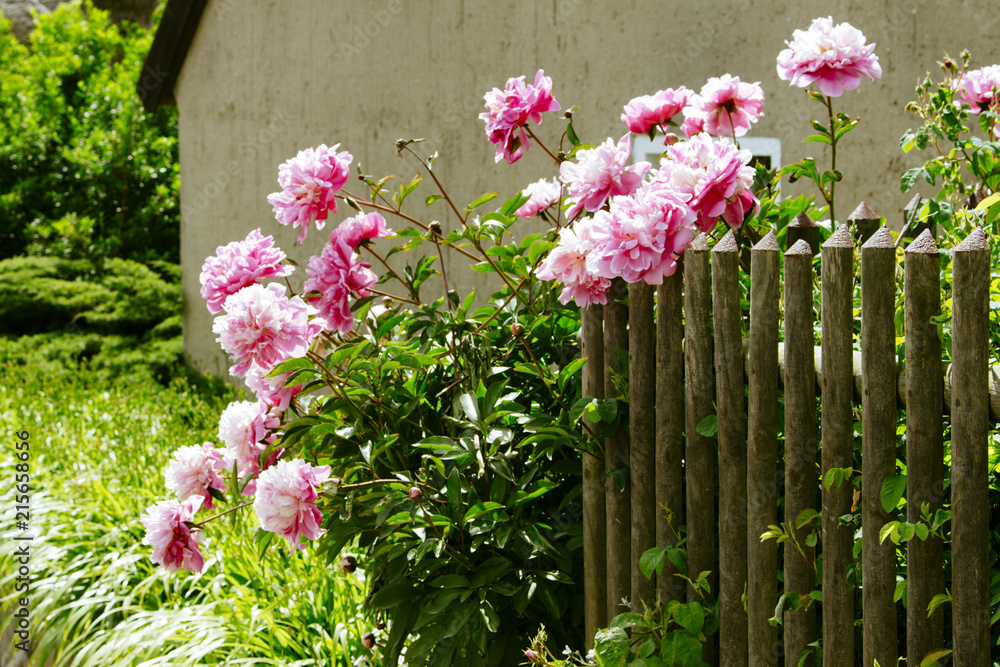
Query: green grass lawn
{"type": "Point", "coordinates": [98, 448]}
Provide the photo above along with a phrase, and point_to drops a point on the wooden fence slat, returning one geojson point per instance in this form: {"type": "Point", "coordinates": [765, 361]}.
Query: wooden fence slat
{"type": "Point", "coordinates": [595, 556]}
{"type": "Point", "coordinates": [699, 385]}
{"type": "Point", "coordinates": [800, 440]}
{"type": "Point", "coordinates": [969, 460]}
{"type": "Point", "coordinates": [732, 452]}
{"type": "Point", "coordinates": [616, 456]}
{"type": "Point", "coordinates": [642, 436]}
{"type": "Point", "coordinates": [924, 448]}
{"type": "Point", "coordinates": [837, 429]}
{"type": "Point", "coordinates": [762, 456]}
{"type": "Point", "coordinates": [878, 437]}
{"type": "Point", "coordinates": [670, 427]}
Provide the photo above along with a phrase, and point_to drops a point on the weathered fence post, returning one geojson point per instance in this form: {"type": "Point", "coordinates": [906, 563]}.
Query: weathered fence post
{"type": "Point", "coordinates": [864, 222]}
{"type": "Point", "coordinates": [699, 391]}
{"type": "Point", "coordinates": [804, 228]}
{"type": "Point", "coordinates": [669, 427]}
{"type": "Point", "coordinates": [762, 431]}
{"type": "Point", "coordinates": [595, 557]}
{"type": "Point", "coordinates": [616, 459]}
{"type": "Point", "coordinates": [642, 436]}
{"type": "Point", "coordinates": [969, 461]}
{"type": "Point", "coordinates": [732, 452]}
{"type": "Point", "coordinates": [924, 448]}
{"type": "Point", "coordinates": [878, 435]}
{"type": "Point", "coordinates": [837, 431]}
{"type": "Point", "coordinates": [800, 439]}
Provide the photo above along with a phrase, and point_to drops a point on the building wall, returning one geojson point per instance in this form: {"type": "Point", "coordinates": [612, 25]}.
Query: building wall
{"type": "Point", "coordinates": [265, 78]}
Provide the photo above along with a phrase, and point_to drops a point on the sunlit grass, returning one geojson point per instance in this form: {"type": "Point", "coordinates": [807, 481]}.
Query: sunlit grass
{"type": "Point", "coordinates": [97, 456]}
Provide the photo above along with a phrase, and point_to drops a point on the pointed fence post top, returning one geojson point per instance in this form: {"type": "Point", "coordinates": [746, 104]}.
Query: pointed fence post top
{"type": "Point", "coordinates": [801, 247]}
{"type": "Point", "coordinates": [863, 212]}
{"type": "Point", "coordinates": [923, 244]}
{"type": "Point", "coordinates": [769, 242]}
{"type": "Point", "coordinates": [880, 239]}
{"type": "Point", "coordinates": [803, 221]}
{"type": "Point", "coordinates": [841, 238]}
{"type": "Point", "coordinates": [727, 244]}
{"type": "Point", "coordinates": [699, 244]}
{"type": "Point", "coordinates": [973, 242]}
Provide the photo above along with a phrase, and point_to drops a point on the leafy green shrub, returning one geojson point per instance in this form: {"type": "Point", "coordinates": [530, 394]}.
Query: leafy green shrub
{"type": "Point", "coordinates": [40, 294]}
{"type": "Point", "coordinates": [84, 170]}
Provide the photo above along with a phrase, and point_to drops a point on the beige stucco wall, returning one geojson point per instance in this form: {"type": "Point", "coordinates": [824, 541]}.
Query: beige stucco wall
{"type": "Point", "coordinates": [265, 78]}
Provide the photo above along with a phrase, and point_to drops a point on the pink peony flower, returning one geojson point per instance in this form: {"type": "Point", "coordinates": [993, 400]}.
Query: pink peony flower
{"type": "Point", "coordinates": [508, 110]}
{"type": "Point", "coordinates": [642, 235]}
{"type": "Point", "coordinates": [727, 106]}
{"type": "Point", "coordinates": [271, 391]}
{"type": "Point", "coordinates": [286, 500]}
{"type": "Point", "coordinates": [648, 111]}
{"type": "Point", "coordinates": [714, 176]}
{"type": "Point", "coordinates": [692, 125]}
{"type": "Point", "coordinates": [243, 428]}
{"type": "Point", "coordinates": [834, 57]}
{"type": "Point", "coordinates": [542, 193]}
{"type": "Point", "coordinates": [980, 89]}
{"type": "Point", "coordinates": [239, 264]}
{"type": "Point", "coordinates": [309, 183]}
{"type": "Point", "coordinates": [335, 274]}
{"type": "Point", "coordinates": [174, 545]}
{"type": "Point", "coordinates": [193, 470]}
{"type": "Point", "coordinates": [599, 174]}
{"type": "Point", "coordinates": [567, 263]}
{"type": "Point", "coordinates": [262, 326]}
{"type": "Point", "coordinates": [361, 227]}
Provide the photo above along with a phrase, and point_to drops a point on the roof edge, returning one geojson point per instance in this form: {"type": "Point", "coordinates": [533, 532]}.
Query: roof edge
{"type": "Point", "coordinates": [167, 53]}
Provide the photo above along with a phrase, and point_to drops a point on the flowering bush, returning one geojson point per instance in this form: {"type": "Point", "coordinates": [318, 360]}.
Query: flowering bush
{"type": "Point", "coordinates": [436, 439]}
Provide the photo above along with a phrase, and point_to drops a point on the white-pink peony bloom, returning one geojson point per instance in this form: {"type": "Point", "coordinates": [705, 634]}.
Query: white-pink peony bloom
{"type": "Point", "coordinates": [727, 106]}
{"type": "Point", "coordinates": [834, 57]}
{"type": "Point", "coordinates": [286, 500]}
{"type": "Point", "coordinates": [238, 264]}
{"type": "Point", "coordinates": [309, 182]}
{"type": "Point", "coordinates": [263, 326]}
{"type": "Point", "coordinates": [648, 111]}
{"type": "Point", "coordinates": [174, 545]}
{"type": "Point", "coordinates": [361, 227]}
{"type": "Point", "coordinates": [642, 235]}
{"type": "Point", "coordinates": [599, 174]}
{"type": "Point", "coordinates": [542, 193]}
{"type": "Point", "coordinates": [715, 177]}
{"type": "Point", "coordinates": [243, 428]}
{"type": "Point", "coordinates": [193, 470]}
{"type": "Point", "coordinates": [567, 263]}
{"type": "Point", "coordinates": [508, 110]}
{"type": "Point", "coordinates": [337, 273]}
{"type": "Point", "coordinates": [980, 89]}
{"type": "Point", "coordinates": [271, 391]}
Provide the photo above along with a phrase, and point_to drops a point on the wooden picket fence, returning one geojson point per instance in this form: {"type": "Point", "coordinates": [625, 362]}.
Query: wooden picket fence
{"type": "Point", "coordinates": [687, 355]}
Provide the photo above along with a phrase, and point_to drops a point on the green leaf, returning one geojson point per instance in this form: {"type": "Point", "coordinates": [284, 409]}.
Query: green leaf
{"type": "Point", "coordinates": [430, 199]}
{"type": "Point", "coordinates": [708, 426]}
{"type": "Point", "coordinates": [937, 601]}
{"type": "Point", "coordinates": [571, 135]}
{"type": "Point", "coordinates": [298, 363]}
{"type": "Point", "coordinates": [932, 658]}
{"type": "Point", "coordinates": [691, 617]}
{"type": "Point", "coordinates": [450, 581]}
{"type": "Point", "coordinates": [628, 620]}
{"type": "Point", "coordinates": [391, 595]}
{"type": "Point", "coordinates": [482, 199]}
{"type": "Point", "coordinates": [611, 647]}
{"type": "Point", "coordinates": [652, 561]}
{"type": "Point", "coordinates": [805, 516]}
{"type": "Point", "coordinates": [893, 487]}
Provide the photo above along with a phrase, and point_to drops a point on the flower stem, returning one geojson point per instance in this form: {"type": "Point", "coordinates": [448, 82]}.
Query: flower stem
{"type": "Point", "coordinates": [833, 159]}
{"type": "Point", "coordinates": [232, 509]}
{"type": "Point", "coordinates": [542, 144]}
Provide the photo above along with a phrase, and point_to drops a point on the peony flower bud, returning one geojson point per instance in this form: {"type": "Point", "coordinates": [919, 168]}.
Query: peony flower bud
{"type": "Point", "coordinates": [416, 494]}
{"type": "Point", "coordinates": [348, 564]}
{"type": "Point", "coordinates": [368, 641]}
{"type": "Point", "coordinates": [516, 330]}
